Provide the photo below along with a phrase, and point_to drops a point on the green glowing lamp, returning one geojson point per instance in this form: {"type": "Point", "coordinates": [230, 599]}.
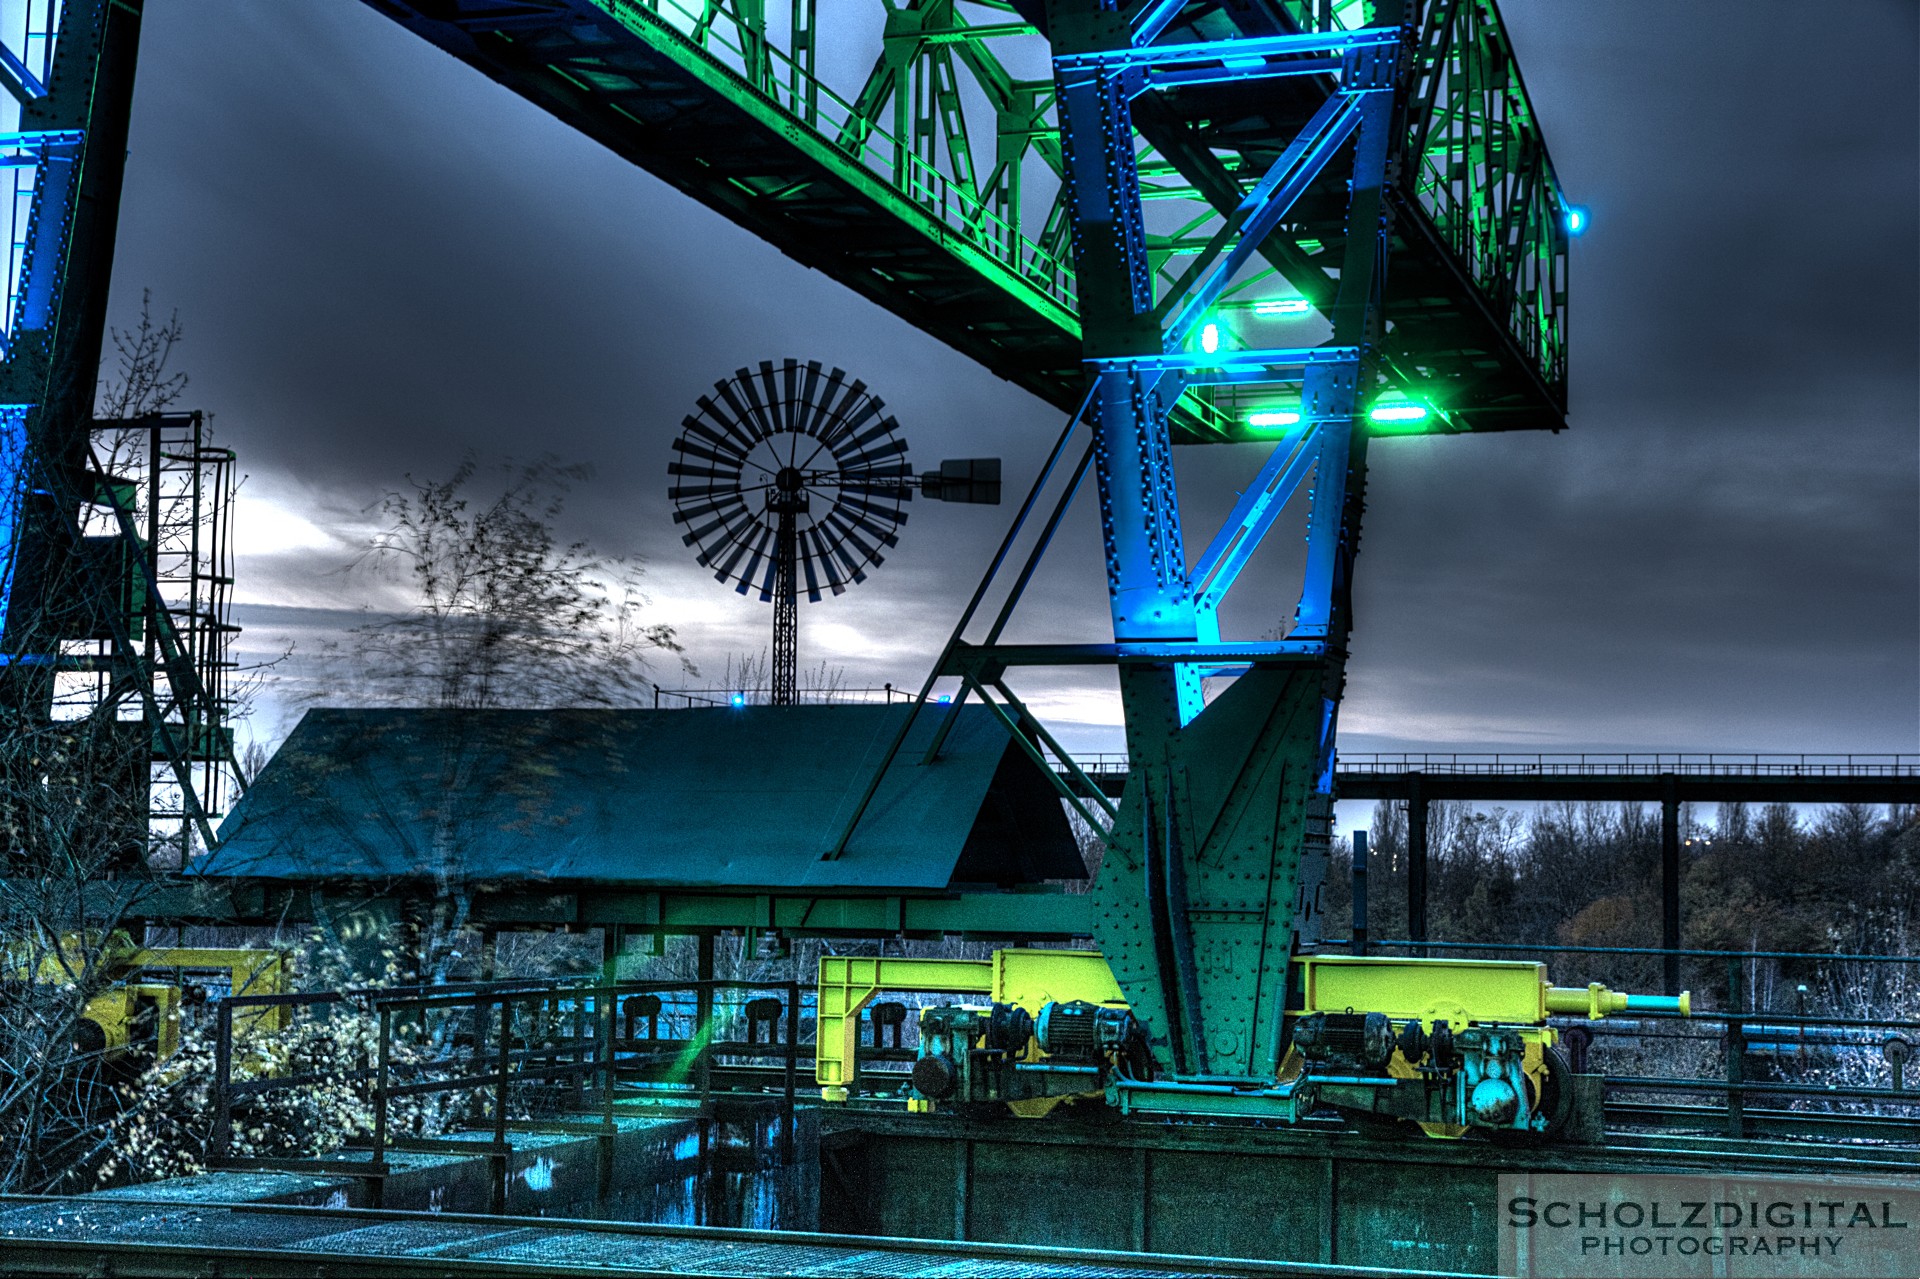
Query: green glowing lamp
{"type": "Point", "coordinates": [1399, 414]}
{"type": "Point", "coordinates": [1210, 338]}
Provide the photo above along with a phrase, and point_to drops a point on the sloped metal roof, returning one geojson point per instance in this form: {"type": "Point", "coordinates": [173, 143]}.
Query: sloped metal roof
{"type": "Point", "coordinates": [748, 797]}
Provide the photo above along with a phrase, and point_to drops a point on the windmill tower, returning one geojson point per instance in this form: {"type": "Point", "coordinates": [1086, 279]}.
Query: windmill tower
{"type": "Point", "coordinates": [793, 478]}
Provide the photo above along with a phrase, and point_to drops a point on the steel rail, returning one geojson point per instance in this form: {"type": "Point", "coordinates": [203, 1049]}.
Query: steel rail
{"type": "Point", "coordinates": [319, 1241]}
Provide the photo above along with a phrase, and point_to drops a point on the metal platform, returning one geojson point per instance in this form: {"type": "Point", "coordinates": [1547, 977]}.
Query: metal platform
{"type": "Point", "coordinates": [92, 1237]}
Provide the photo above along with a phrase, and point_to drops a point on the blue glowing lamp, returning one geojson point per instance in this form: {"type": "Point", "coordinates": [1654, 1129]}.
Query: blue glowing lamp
{"type": "Point", "coordinates": [739, 699]}
{"type": "Point", "coordinates": [1576, 219]}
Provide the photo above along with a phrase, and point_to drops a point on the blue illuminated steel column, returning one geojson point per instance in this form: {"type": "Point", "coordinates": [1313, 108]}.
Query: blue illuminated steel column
{"type": "Point", "coordinates": [1146, 563]}
{"type": "Point", "coordinates": [74, 115]}
{"type": "Point", "coordinates": [1214, 863]}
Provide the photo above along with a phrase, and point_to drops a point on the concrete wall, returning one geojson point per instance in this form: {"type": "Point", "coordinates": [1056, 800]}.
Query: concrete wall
{"type": "Point", "coordinates": [1280, 1195]}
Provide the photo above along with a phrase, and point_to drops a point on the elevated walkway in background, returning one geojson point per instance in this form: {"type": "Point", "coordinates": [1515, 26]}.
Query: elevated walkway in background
{"type": "Point", "coordinates": [1686, 778]}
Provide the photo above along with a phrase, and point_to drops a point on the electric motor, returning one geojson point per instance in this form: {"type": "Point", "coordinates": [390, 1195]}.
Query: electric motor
{"type": "Point", "coordinates": [1084, 1032]}
{"type": "Point", "coordinates": [1364, 1040]}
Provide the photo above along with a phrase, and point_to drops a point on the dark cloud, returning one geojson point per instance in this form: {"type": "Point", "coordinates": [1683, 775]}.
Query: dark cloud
{"type": "Point", "coordinates": [383, 259]}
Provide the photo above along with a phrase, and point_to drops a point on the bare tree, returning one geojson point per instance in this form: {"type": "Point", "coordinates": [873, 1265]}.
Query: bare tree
{"type": "Point", "coordinates": [144, 381]}
{"type": "Point", "coordinates": [75, 789]}
{"type": "Point", "coordinates": [503, 615]}
{"type": "Point", "coordinates": [72, 818]}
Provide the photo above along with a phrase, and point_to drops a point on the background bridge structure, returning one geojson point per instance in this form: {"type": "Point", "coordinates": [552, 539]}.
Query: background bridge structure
{"type": "Point", "coordinates": [933, 184]}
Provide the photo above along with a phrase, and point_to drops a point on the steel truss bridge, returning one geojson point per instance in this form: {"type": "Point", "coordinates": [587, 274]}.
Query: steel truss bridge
{"type": "Point", "coordinates": [935, 186]}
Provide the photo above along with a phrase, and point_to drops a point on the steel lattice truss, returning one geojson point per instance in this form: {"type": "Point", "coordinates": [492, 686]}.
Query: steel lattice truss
{"type": "Point", "coordinates": [113, 578]}
{"type": "Point", "coordinates": [933, 183]}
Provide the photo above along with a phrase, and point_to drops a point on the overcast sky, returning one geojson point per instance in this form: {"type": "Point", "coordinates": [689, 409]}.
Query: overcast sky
{"type": "Point", "coordinates": [382, 260]}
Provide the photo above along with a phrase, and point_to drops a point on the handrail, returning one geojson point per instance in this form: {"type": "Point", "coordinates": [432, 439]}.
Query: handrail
{"type": "Point", "coordinates": [580, 1042]}
{"type": "Point", "coordinates": [801, 95]}
{"type": "Point", "coordinates": [1596, 764]}
{"type": "Point", "coordinates": [1652, 764]}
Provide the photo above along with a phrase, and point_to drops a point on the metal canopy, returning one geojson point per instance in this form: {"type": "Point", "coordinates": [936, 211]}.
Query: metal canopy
{"type": "Point", "coordinates": [747, 797]}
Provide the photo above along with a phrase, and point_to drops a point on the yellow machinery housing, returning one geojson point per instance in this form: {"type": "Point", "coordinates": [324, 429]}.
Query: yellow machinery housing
{"type": "Point", "coordinates": [1445, 1043]}
{"type": "Point", "coordinates": [149, 989]}
{"type": "Point", "coordinates": [1029, 980]}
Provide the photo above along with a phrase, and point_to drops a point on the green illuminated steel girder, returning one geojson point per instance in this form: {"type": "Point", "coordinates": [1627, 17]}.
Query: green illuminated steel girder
{"type": "Point", "coordinates": [782, 155]}
{"type": "Point", "coordinates": [887, 190]}
{"type": "Point", "coordinates": [1476, 303]}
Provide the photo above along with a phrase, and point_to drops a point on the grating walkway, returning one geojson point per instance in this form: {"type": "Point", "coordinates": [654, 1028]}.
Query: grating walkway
{"type": "Point", "coordinates": [125, 1239]}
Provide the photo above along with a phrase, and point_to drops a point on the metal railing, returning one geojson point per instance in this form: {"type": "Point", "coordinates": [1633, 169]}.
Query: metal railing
{"type": "Point", "coordinates": [721, 698]}
{"type": "Point", "coordinates": [1653, 764]}
{"type": "Point", "coordinates": [1441, 763]}
{"type": "Point", "coordinates": [803, 97]}
{"type": "Point", "coordinates": [579, 1044]}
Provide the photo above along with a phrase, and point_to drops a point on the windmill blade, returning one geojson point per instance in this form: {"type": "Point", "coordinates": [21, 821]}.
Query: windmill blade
{"type": "Point", "coordinates": [728, 524]}
{"type": "Point", "coordinates": [746, 411]}
{"type": "Point", "coordinates": [707, 453]}
{"type": "Point", "coordinates": [805, 412]}
{"type": "Point", "coordinates": [691, 425]}
{"type": "Point", "coordinates": [728, 419]}
{"type": "Point", "coordinates": [776, 403]}
{"type": "Point", "coordinates": [762, 416]}
{"type": "Point", "coordinates": [850, 403]}
{"type": "Point", "coordinates": [849, 419]}
{"type": "Point", "coordinates": [690, 492]}
{"type": "Point", "coordinates": [766, 582]}
{"type": "Point", "coordinates": [888, 427]}
{"type": "Point", "coordinates": [760, 536]}
{"type": "Point", "coordinates": [844, 535]}
{"type": "Point", "coordinates": [703, 472]}
{"type": "Point", "coordinates": [727, 509]}
{"type": "Point", "coordinates": [810, 548]}
{"type": "Point", "coordinates": [885, 519]}
{"type": "Point", "coordinates": [843, 567]}
{"type": "Point", "coordinates": [874, 528]}
{"type": "Point", "coordinates": [845, 563]}
{"type": "Point", "coordinates": [819, 423]}
{"type": "Point", "coordinates": [738, 551]}
{"type": "Point", "coordinates": [879, 452]}
{"type": "Point", "coordinates": [880, 465]}
{"type": "Point", "coordinates": [791, 407]}
{"type": "Point", "coordinates": [894, 481]}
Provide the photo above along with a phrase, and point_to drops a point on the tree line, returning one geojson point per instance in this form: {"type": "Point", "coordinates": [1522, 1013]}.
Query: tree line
{"type": "Point", "coordinates": [1839, 880]}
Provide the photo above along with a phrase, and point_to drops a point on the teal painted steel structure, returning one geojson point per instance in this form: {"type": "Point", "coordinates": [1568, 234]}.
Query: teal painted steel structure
{"type": "Point", "coordinates": [82, 590]}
